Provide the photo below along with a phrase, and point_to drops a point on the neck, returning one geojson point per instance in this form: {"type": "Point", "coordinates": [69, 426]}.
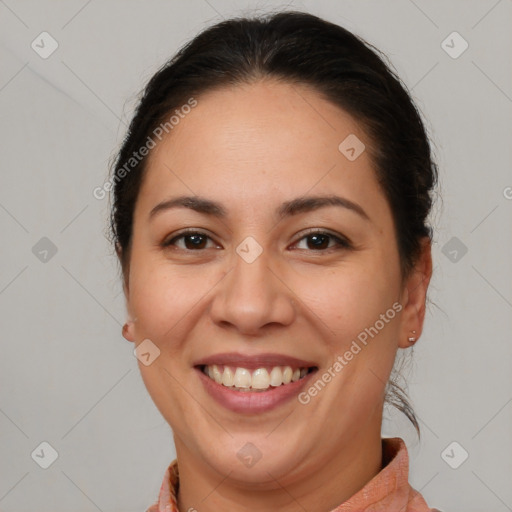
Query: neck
{"type": "Point", "coordinates": [321, 489]}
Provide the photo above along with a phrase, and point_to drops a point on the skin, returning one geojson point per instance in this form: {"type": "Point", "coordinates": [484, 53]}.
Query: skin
{"type": "Point", "coordinates": [251, 148]}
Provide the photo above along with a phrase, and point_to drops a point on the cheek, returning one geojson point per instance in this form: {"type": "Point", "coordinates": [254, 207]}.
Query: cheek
{"type": "Point", "coordinates": [349, 300]}
{"type": "Point", "coordinates": [166, 299]}
{"type": "Point", "coordinates": [158, 300]}
{"type": "Point", "coordinates": [356, 309]}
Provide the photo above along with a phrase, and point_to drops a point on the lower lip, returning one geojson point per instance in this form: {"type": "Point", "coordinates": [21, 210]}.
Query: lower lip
{"type": "Point", "coordinates": [252, 401]}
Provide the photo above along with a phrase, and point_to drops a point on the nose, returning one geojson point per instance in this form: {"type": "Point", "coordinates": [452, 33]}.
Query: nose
{"type": "Point", "coordinates": [252, 297]}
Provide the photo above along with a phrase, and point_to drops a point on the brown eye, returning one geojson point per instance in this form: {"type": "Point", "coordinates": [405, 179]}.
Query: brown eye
{"type": "Point", "coordinates": [318, 241]}
{"type": "Point", "coordinates": [190, 240]}
{"type": "Point", "coordinates": [322, 240]}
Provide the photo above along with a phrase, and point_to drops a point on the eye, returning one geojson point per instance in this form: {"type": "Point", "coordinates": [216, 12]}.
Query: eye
{"type": "Point", "coordinates": [192, 240]}
{"type": "Point", "coordinates": [318, 240]}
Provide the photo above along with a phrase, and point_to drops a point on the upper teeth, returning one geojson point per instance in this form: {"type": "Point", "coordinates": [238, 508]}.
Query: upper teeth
{"type": "Point", "coordinates": [260, 378]}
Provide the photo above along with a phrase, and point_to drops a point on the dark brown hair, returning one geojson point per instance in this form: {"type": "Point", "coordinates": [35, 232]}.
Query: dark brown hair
{"type": "Point", "coordinates": [297, 48]}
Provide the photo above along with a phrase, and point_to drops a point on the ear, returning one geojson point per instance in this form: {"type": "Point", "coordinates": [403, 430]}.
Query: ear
{"type": "Point", "coordinates": [129, 326]}
{"type": "Point", "coordinates": [414, 296]}
{"type": "Point", "coordinates": [129, 329]}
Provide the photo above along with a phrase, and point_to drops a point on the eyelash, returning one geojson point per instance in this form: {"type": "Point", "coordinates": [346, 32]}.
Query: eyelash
{"type": "Point", "coordinates": [340, 242]}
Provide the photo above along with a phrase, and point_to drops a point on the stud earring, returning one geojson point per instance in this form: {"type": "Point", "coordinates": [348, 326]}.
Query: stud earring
{"type": "Point", "coordinates": [412, 339]}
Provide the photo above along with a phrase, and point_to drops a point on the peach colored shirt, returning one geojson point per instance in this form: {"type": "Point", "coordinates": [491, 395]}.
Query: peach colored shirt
{"type": "Point", "coordinates": [388, 491]}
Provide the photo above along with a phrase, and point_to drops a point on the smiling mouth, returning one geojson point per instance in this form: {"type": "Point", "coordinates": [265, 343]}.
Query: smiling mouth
{"type": "Point", "coordinates": [254, 380]}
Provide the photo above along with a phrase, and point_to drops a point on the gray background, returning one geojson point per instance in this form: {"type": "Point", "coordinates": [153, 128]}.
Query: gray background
{"type": "Point", "coordinates": [67, 375]}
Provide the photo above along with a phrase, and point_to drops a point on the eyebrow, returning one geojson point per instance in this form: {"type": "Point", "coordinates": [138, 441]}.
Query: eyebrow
{"type": "Point", "coordinates": [287, 209]}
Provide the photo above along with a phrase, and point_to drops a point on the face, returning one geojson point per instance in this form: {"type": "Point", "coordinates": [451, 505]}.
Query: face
{"type": "Point", "coordinates": [267, 277]}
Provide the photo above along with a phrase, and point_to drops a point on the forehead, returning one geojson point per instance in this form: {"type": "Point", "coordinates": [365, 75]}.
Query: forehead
{"type": "Point", "coordinates": [254, 142]}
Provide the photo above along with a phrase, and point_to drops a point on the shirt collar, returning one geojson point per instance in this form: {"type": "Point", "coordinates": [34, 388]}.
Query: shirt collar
{"type": "Point", "coordinates": [388, 490]}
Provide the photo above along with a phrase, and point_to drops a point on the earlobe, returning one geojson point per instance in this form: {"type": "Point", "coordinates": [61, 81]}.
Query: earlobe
{"type": "Point", "coordinates": [415, 296]}
{"type": "Point", "coordinates": [128, 330]}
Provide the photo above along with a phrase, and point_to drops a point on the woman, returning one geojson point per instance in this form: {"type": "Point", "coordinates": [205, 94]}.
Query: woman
{"type": "Point", "coordinates": [270, 217]}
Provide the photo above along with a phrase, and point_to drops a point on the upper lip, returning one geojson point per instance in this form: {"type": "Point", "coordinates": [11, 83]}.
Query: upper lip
{"type": "Point", "coordinates": [255, 361]}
